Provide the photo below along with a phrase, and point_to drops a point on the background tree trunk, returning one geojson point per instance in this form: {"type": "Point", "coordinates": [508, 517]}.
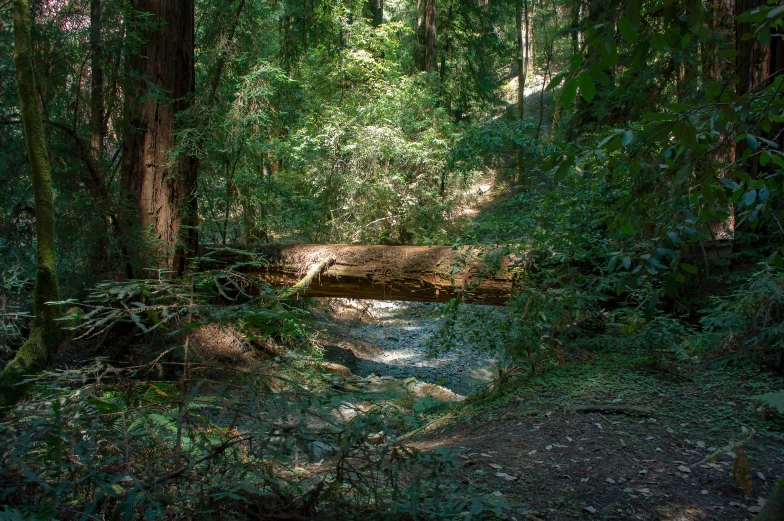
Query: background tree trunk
{"type": "Point", "coordinates": [376, 8]}
{"type": "Point", "coordinates": [431, 36]}
{"type": "Point", "coordinates": [39, 351]}
{"type": "Point", "coordinates": [419, 34]}
{"type": "Point", "coordinates": [522, 26]}
{"type": "Point", "coordinates": [97, 109]}
{"type": "Point", "coordinates": [753, 66]}
{"type": "Point", "coordinates": [160, 188]}
{"type": "Point", "coordinates": [575, 36]}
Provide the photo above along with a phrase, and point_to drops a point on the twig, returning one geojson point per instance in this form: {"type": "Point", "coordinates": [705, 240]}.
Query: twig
{"type": "Point", "coordinates": [608, 419]}
{"type": "Point", "coordinates": [424, 427]}
{"type": "Point", "coordinates": [217, 451]}
{"type": "Point", "coordinates": [303, 284]}
{"type": "Point", "coordinates": [729, 448]}
{"type": "Point", "coordinates": [287, 517]}
{"type": "Point", "coordinates": [612, 409]}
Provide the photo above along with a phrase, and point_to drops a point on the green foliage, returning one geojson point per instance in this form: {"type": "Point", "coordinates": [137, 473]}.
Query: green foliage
{"type": "Point", "coordinates": [224, 295]}
{"type": "Point", "coordinates": [101, 440]}
{"type": "Point", "coordinates": [14, 294]}
{"type": "Point", "coordinates": [752, 314]}
{"type": "Point", "coordinates": [773, 400]}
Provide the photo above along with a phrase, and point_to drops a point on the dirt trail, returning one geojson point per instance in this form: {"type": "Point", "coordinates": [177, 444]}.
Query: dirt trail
{"type": "Point", "coordinates": [532, 448]}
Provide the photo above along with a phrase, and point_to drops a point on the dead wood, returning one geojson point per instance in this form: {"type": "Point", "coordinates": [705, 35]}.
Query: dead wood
{"type": "Point", "coordinates": [412, 273]}
{"type": "Point", "coordinates": [612, 409]}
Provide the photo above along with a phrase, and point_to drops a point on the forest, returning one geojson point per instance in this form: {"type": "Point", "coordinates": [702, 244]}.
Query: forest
{"type": "Point", "coordinates": [311, 260]}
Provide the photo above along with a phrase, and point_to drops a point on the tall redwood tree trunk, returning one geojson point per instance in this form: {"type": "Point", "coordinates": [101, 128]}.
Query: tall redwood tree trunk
{"type": "Point", "coordinates": [161, 188]}
{"type": "Point", "coordinates": [97, 109]}
{"type": "Point", "coordinates": [376, 8]}
{"type": "Point", "coordinates": [431, 36]}
{"type": "Point", "coordinates": [753, 66]}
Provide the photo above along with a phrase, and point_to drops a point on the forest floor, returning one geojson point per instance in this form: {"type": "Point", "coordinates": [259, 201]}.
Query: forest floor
{"type": "Point", "coordinates": [551, 462]}
{"type": "Point", "coordinates": [523, 441]}
{"type": "Point", "coordinates": [561, 464]}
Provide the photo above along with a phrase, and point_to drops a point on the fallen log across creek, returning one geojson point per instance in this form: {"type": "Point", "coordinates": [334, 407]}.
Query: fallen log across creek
{"type": "Point", "coordinates": [412, 273]}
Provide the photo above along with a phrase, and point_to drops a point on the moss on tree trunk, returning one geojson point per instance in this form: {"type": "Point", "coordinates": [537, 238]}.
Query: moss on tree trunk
{"type": "Point", "coordinates": [39, 350]}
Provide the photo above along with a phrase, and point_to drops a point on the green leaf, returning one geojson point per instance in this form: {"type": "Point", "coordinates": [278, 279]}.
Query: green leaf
{"type": "Point", "coordinates": [776, 12]}
{"type": "Point", "coordinates": [751, 142]}
{"type": "Point", "coordinates": [626, 30]}
{"type": "Point", "coordinates": [729, 183]}
{"type": "Point", "coordinates": [640, 54]}
{"type": "Point", "coordinates": [776, 260]}
{"type": "Point", "coordinates": [613, 263]}
{"type": "Point", "coordinates": [670, 288]}
{"type": "Point", "coordinates": [689, 268]}
{"type": "Point", "coordinates": [633, 14]}
{"type": "Point", "coordinates": [677, 107]}
{"type": "Point", "coordinates": [659, 116]}
{"type": "Point", "coordinates": [551, 161]}
{"type": "Point", "coordinates": [587, 86]}
{"type": "Point", "coordinates": [557, 79]}
{"type": "Point", "coordinates": [569, 92]}
{"type": "Point", "coordinates": [750, 197]}
{"type": "Point", "coordinates": [563, 169]}
{"type": "Point", "coordinates": [609, 55]}
{"type": "Point", "coordinates": [774, 400]}
{"type": "Point", "coordinates": [626, 138]}
{"type": "Point", "coordinates": [764, 36]}
{"type": "Point", "coordinates": [627, 262]}
{"type": "Point", "coordinates": [727, 53]}
{"type": "Point", "coordinates": [627, 228]}
{"type": "Point", "coordinates": [658, 42]}
{"type": "Point", "coordinates": [599, 74]}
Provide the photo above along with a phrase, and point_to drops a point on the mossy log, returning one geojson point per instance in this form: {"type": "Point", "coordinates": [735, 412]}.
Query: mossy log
{"type": "Point", "coordinates": [412, 273]}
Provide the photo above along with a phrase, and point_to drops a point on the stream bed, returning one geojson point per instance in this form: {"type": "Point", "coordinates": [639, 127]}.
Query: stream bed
{"type": "Point", "coordinates": [402, 340]}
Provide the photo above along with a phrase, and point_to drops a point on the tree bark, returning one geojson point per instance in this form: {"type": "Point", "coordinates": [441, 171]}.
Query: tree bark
{"type": "Point", "coordinates": [431, 36]}
{"type": "Point", "coordinates": [753, 67]}
{"type": "Point", "coordinates": [419, 34]}
{"type": "Point", "coordinates": [412, 273]}
{"type": "Point", "coordinates": [161, 188]}
{"type": "Point", "coordinates": [376, 8]}
{"type": "Point", "coordinates": [39, 351]}
{"type": "Point", "coordinates": [521, 22]}
{"type": "Point", "coordinates": [575, 36]}
{"type": "Point", "coordinates": [97, 109]}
